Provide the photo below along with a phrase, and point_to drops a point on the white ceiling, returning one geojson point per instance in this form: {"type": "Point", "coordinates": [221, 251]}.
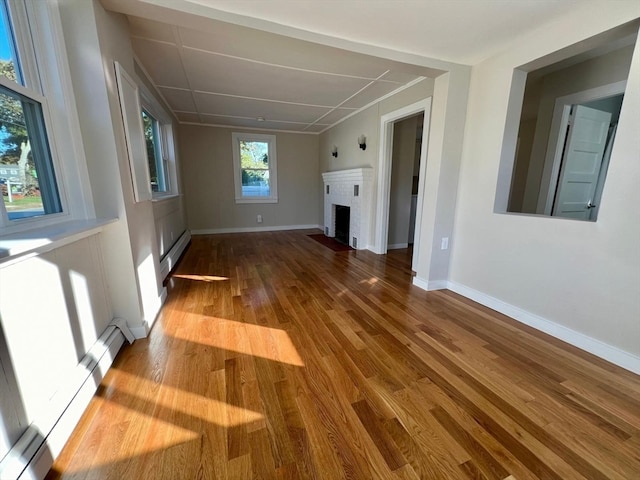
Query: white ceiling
{"type": "Point", "coordinates": [225, 73]}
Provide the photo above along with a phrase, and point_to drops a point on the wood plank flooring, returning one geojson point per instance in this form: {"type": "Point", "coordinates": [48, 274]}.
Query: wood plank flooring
{"type": "Point", "coordinates": [277, 358]}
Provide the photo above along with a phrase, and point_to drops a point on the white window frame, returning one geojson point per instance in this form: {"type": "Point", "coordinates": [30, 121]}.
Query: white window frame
{"type": "Point", "coordinates": [42, 55]}
{"type": "Point", "coordinates": [236, 138]}
{"type": "Point", "coordinates": [166, 144]}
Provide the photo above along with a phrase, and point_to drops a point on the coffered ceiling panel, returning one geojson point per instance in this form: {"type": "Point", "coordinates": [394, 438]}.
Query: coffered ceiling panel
{"type": "Point", "coordinates": [150, 29]}
{"type": "Point", "coordinates": [226, 74]}
{"type": "Point", "coordinates": [370, 94]}
{"type": "Point", "coordinates": [278, 50]}
{"type": "Point", "coordinates": [252, 123]}
{"type": "Point", "coordinates": [188, 117]}
{"type": "Point", "coordinates": [247, 107]}
{"type": "Point", "coordinates": [179, 99]}
{"type": "Point", "coordinates": [336, 115]}
{"type": "Point", "coordinates": [162, 61]}
{"type": "Point", "coordinates": [317, 128]}
{"type": "Point", "coordinates": [215, 73]}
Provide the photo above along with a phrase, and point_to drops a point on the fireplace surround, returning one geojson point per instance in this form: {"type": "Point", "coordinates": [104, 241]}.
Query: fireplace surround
{"type": "Point", "coordinates": [349, 188]}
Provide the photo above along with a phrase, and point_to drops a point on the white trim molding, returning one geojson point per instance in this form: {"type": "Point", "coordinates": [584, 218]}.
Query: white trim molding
{"type": "Point", "coordinates": [275, 228]}
{"type": "Point", "coordinates": [589, 344]}
{"type": "Point", "coordinates": [430, 285]}
{"type": "Point", "coordinates": [381, 219]}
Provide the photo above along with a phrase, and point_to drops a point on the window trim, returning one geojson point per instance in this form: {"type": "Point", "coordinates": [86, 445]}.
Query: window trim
{"type": "Point", "coordinates": [42, 54]}
{"type": "Point", "coordinates": [236, 138]}
{"type": "Point", "coordinates": [165, 142]}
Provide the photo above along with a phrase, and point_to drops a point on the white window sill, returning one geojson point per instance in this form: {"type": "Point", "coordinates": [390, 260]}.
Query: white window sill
{"type": "Point", "coordinates": [256, 200]}
{"type": "Point", "coordinates": [163, 197]}
{"type": "Point", "coordinates": [19, 246]}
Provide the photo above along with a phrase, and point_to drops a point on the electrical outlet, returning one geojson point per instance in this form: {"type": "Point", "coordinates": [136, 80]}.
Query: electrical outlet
{"type": "Point", "coordinates": [259, 218]}
{"type": "Point", "coordinates": [444, 244]}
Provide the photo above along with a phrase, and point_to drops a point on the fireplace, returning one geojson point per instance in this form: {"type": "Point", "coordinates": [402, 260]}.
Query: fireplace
{"type": "Point", "coordinates": [343, 217]}
{"type": "Point", "coordinates": [351, 190]}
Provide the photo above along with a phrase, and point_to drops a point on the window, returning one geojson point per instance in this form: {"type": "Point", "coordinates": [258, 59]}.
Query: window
{"type": "Point", "coordinates": [159, 144]}
{"type": "Point", "coordinates": [152, 136]}
{"type": "Point", "coordinates": [27, 179]}
{"type": "Point", "coordinates": [254, 159]}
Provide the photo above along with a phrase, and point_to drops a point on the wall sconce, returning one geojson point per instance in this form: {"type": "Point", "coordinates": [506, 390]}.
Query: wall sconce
{"type": "Point", "coordinates": [362, 141]}
{"type": "Point", "coordinates": [334, 151]}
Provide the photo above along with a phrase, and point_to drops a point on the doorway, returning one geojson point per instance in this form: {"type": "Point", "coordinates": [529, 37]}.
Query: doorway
{"type": "Point", "coordinates": [387, 122]}
{"type": "Point", "coordinates": [405, 171]}
{"type": "Point", "coordinates": [580, 144]}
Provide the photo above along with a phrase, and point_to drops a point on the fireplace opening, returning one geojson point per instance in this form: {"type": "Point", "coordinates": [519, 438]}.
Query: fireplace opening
{"type": "Point", "coordinates": [343, 215]}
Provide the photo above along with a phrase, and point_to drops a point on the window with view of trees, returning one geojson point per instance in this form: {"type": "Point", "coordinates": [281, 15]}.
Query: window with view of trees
{"type": "Point", "coordinates": [254, 158]}
{"type": "Point", "coordinates": [152, 137]}
{"type": "Point", "coordinates": [27, 178]}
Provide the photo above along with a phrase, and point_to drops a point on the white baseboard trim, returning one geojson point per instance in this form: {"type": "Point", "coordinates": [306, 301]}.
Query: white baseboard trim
{"type": "Point", "coordinates": [171, 258]}
{"type": "Point", "coordinates": [612, 354]}
{"type": "Point", "coordinates": [397, 246]}
{"type": "Point", "coordinates": [212, 231]}
{"type": "Point", "coordinates": [33, 454]}
{"type": "Point", "coordinates": [432, 285]}
{"type": "Point", "coordinates": [140, 331]}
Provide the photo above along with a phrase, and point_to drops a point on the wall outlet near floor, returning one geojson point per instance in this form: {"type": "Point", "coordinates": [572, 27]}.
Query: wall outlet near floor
{"type": "Point", "coordinates": [259, 219]}
{"type": "Point", "coordinates": [444, 243]}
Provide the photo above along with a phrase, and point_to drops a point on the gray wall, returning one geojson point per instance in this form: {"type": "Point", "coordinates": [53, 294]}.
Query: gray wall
{"type": "Point", "coordinates": [206, 153]}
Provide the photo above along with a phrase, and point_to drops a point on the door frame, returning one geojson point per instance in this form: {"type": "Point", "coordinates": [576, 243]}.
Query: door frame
{"type": "Point", "coordinates": [384, 173]}
{"type": "Point", "coordinates": [558, 135]}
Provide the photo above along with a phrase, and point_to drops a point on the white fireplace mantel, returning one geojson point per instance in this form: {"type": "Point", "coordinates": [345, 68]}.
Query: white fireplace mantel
{"type": "Point", "coordinates": [352, 188]}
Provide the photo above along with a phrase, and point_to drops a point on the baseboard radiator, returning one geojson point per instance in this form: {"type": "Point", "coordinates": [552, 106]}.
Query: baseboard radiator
{"type": "Point", "coordinates": [31, 457]}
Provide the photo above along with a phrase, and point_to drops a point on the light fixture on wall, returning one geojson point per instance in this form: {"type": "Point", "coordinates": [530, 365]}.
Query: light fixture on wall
{"type": "Point", "coordinates": [334, 151]}
{"type": "Point", "coordinates": [362, 141]}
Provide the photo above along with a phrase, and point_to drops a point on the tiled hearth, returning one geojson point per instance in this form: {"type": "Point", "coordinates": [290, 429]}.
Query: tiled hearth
{"type": "Point", "coordinates": [351, 188]}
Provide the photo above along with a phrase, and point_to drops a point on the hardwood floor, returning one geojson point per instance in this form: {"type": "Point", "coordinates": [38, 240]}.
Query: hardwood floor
{"type": "Point", "coordinates": [277, 358]}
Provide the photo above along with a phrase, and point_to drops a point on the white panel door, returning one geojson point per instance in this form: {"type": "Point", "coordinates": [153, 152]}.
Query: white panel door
{"type": "Point", "coordinates": [581, 163]}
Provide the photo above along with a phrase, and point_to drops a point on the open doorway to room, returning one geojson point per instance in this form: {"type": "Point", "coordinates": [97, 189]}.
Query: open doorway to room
{"type": "Point", "coordinates": [405, 171]}
{"type": "Point", "coordinates": [395, 223]}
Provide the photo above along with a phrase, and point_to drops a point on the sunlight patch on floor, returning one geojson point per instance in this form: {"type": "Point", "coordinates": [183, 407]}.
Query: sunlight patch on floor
{"type": "Point", "coordinates": [179, 405]}
{"type": "Point", "coordinates": [248, 339]}
{"type": "Point", "coordinates": [158, 435]}
{"type": "Point", "coordinates": [201, 278]}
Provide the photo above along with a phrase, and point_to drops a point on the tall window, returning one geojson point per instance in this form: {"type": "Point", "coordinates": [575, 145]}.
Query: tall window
{"type": "Point", "coordinates": [254, 158]}
{"type": "Point", "coordinates": [27, 176]}
{"type": "Point", "coordinates": [153, 136]}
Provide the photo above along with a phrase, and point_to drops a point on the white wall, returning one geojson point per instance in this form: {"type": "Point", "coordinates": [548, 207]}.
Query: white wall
{"type": "Point", "coordinates": [209, 185]}
{"type": "Point", "coordinates": [583, 277]}
{"type": "Point", "coordinates": [95, 39]}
